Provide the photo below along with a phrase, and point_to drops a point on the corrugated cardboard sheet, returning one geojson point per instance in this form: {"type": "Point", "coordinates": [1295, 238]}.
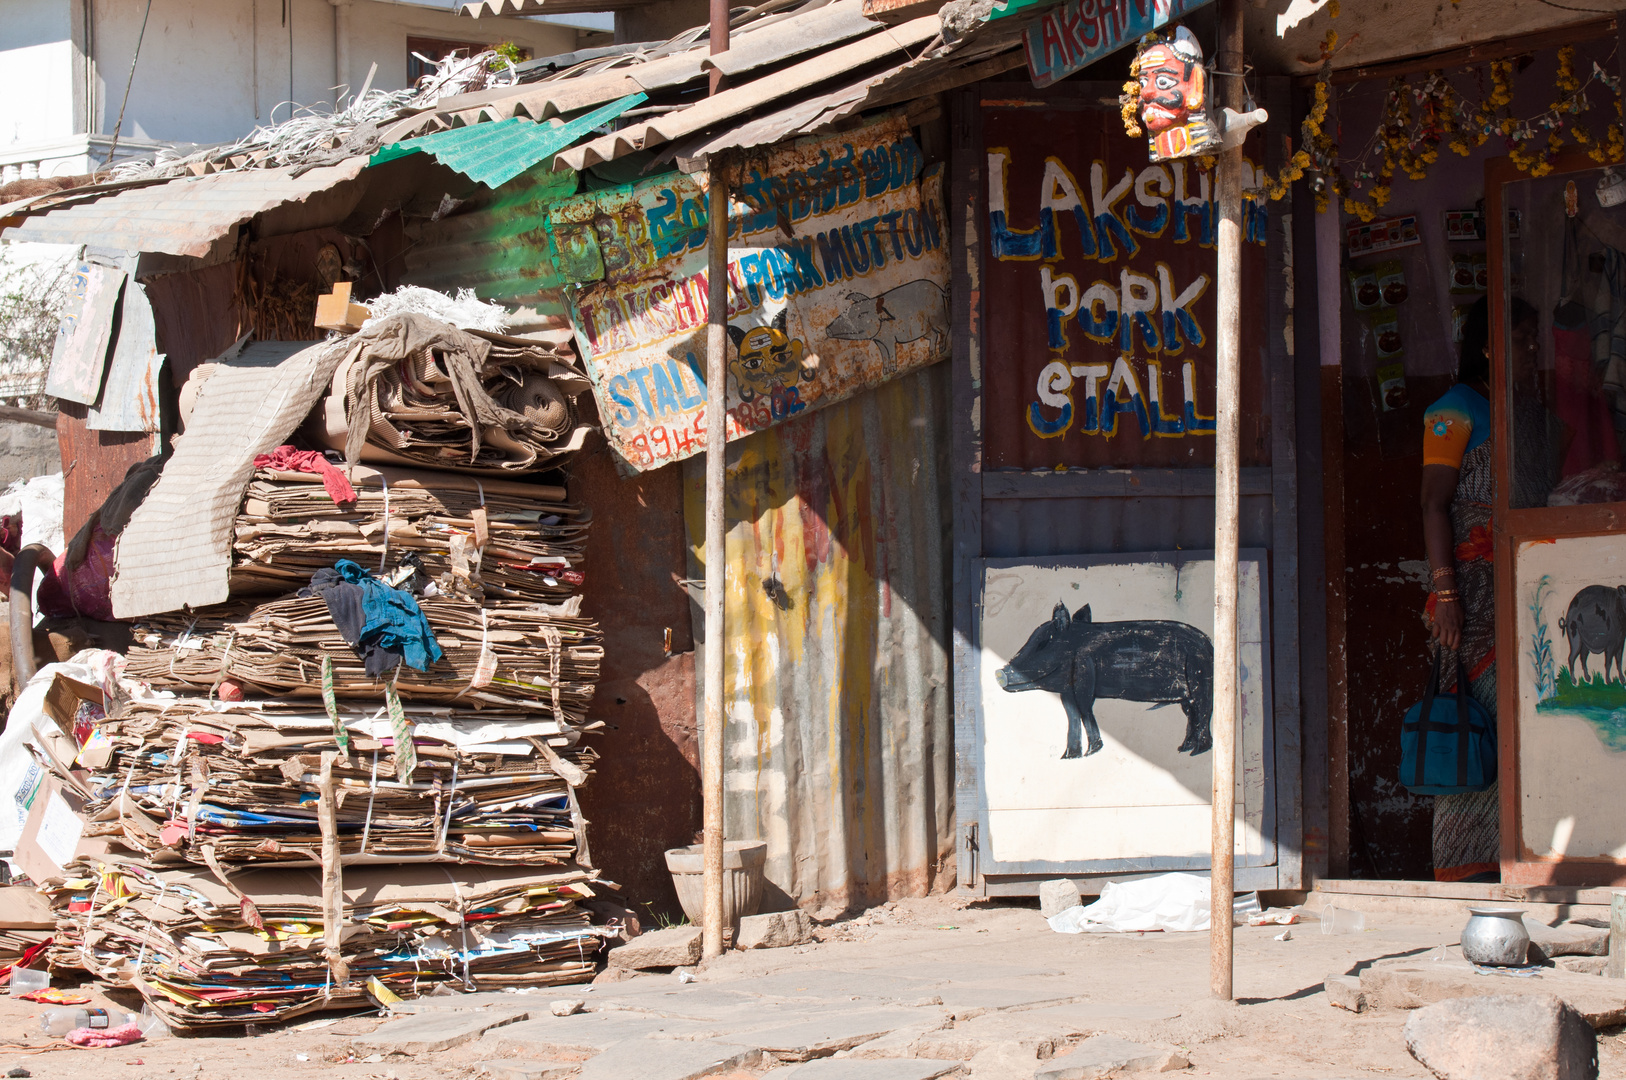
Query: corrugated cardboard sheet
{"type": "Point", "coordinates": [176, 551]}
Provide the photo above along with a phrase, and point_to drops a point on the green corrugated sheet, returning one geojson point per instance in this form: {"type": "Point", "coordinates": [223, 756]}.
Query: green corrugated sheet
{"type": "Point", "coordinates": [493, 154]}
{"type": "Point", "coordinates": [1017, 7]}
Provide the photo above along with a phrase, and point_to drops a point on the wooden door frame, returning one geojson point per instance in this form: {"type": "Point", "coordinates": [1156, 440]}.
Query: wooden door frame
{"type": "Point", "coordinates": [1510, 527]}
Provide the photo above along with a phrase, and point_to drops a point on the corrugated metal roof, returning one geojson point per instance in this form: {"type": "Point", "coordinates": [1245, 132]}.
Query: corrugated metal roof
{"type": "Point", "coordinates": [547, 7]}
{"type": "Point", "coordinates": [493, 154]}
{"type": "Point", "coordinates": [726, 106]}
{"type": "Point", "coordinates": [839, 726]}
{"type": "Point", "coordinates": [755, 46]}
{"type": "Point", "coordinates": [181, 217]}
{"type": "Point", "coordinates": [495, 244]}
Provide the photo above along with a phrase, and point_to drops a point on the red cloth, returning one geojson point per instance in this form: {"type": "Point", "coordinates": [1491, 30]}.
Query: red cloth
{"type": "Point", "coordinates": [119, 1036]}
{"type": "Point", "coordinates": [66, 591]}
{"type": "Point", "coordinates": [287, 459]}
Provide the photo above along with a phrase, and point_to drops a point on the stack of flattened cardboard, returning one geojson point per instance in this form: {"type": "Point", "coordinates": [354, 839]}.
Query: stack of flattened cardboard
{"type": "Point", "coordinates": [516, 655]}
{"type": "Point", "coordinates": [180, 781]}
{"type": "Point", "coordinates": [208, 952]}
{"type": "Point", "coordinates": [290, 527]}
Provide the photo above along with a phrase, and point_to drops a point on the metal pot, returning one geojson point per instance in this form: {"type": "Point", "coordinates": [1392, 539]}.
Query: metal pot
{"type": "Point", "coordinates": [1495, 936]}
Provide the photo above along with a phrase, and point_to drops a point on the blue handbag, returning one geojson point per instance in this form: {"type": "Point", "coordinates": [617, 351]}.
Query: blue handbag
{"type": "Point", "coordinates": [1447, 741]}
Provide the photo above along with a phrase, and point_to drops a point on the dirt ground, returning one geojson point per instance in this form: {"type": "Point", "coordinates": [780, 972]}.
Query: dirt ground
{"type": "Point", "coordinates": [1281, 1024]}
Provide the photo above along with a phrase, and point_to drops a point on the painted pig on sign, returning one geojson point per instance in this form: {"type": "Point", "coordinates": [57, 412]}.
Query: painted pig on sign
{"type": "Point", "coordinates": [913, 310]}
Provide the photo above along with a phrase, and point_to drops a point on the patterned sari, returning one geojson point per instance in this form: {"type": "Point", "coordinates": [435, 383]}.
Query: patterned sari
{"type": "Point", "coordinates": [1467, 826]}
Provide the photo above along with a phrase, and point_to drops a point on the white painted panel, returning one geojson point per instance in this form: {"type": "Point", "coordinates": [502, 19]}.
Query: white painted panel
{"type": "Point", "coordinates": [1137, 797]}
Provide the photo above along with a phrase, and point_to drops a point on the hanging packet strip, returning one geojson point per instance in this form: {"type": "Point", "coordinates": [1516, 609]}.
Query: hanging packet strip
{"type": "Point", "coordinates": [406, 755]}
{"type": "Point", "coordinates": [331, 700]}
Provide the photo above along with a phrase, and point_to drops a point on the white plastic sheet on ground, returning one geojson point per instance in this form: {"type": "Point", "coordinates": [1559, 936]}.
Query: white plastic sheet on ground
{"type": "Point", "coordinates": [39, 500]}
{"type": "Point", "coordinates": [21, 775]}
{"type": "Point", "coordinates": [1173, 902]}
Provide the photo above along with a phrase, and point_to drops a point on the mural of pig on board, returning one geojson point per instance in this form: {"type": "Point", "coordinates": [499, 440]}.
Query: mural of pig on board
{"type": "Point", "coordinates": [1596, 623]}
{"type": "Point", "coordinates": [913, 310]}
{"type": "Point", "coordinates": [1150, 660]}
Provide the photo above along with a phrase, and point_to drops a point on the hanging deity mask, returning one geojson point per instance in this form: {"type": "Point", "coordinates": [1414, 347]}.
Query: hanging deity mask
{"type": "Point", "coordinates": [1174, 97]}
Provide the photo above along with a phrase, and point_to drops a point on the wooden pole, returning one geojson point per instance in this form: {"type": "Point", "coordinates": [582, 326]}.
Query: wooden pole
{"type": "Point", "coordinates": [327, 810]}
{"type": "Point", "coordinates": [1227, 407]}
{"type": "Point", "coordinates": [716, 438]}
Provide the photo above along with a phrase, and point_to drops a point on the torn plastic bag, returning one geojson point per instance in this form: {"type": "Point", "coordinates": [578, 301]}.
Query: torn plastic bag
{"type": "Point", "coordinates": [1174, 902]}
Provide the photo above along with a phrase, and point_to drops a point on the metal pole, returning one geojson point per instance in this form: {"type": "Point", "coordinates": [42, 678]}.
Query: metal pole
{"type": "Point", "coordinates": [1227, 408]}
{"type": "Point", "coordinates": [716, 438]}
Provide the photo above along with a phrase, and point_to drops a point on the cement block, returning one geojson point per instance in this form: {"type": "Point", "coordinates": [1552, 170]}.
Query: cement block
{"type": "Point", "coordinates": [1057, 896]}
{"type": "Point", "coordinates": [1040, 1032]}
{"type": "Point", "coordinates": [425, 1033]}
{"type": "Point", "coordinates": [1584, 965]}
{"type": "Point", "coordinates": [1344, 992]}
{"type": "Point", "coordinates": [1567, 939]}
{"type": "Point", "coordinates": [776, 930]}
{"type": "Point", "coordinates": [1414, 984]}
{"type": "Point", "coordinates": [1512, 1037]}
{"type": "Point", "coordinates": [829, 1033]}
{"type": "Point", "coordinates": [855, 1069]}
{"type": "Point", "coordinates": [518, 1069]}
{"type": "Point", "coordinates": [1103, 1055]}
{"type": "Point", "coordinates": [668, 1059]}
{"type": "Point", "coordinates": [675, 946]}
{"type": "Point", "coordinates": [574, 1038]}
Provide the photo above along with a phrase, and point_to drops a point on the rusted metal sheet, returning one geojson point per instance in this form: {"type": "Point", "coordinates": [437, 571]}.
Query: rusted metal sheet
{"type": "Point", "coordinates": [496, 244]}
{"type": "Point", "coordinates": [837, 282]}
{"type": "Point", "coordinates": [129, 400]}
{"type": "Point", "coordinates": [79, 359]}
{"type": "Point", "coordinates": [182, 217]}
{"type": "Point", "coordinates": [1098, 295]}
{"type": "Point", "coordinates": [840, 731]}
{"type": "Point", "coordinates": [93, 464]}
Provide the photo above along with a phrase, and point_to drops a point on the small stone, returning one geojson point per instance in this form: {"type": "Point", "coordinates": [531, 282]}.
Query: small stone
{"type": "Point", "coordinates": [18, 1070]}
{"type": "Point", "coordinates": [677, 946]}
{"type": "Point", "coordinates": [776, 930]}
{"type": "Point", "coordinates": [566, 1007]}
{"type": "Point", "coordinates": [1057, 896]}
{"type": "Point", "coordinates": [1344, 992]}
{"type": "Point", "coordinates": [1508, 1037]}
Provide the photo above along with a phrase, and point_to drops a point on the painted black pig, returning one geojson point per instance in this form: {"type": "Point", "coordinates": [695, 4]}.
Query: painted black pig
{"type": "Point", "coordinates": [1596, 623]}
{"type": "Point", "coordinates": [1171, 663]}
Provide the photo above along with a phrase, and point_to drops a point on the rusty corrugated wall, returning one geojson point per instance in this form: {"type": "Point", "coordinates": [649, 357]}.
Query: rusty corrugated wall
{"type": "Point", "coordinates": [840, 723]}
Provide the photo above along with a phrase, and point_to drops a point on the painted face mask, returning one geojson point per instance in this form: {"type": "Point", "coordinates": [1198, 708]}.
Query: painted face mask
{"type": "Point", "coordinates": [1174, 98]}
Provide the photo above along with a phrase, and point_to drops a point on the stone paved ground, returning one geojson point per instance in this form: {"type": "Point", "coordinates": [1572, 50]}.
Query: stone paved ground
{"type": "Point", "coordinates": [920, 990]}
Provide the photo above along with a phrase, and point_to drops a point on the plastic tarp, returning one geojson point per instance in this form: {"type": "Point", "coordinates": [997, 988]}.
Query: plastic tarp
{"type": "Point", "coordinates": [1173, 902]}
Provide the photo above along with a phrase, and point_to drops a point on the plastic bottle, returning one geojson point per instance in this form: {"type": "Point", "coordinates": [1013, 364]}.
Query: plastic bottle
{"type": "Point", "coordinates": [61, 1021]}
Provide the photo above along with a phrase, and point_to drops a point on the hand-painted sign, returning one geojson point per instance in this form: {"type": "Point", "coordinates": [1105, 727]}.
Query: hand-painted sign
{"type": "Point", "coordinates": [1098, 297]}
{"type": "Point", "coordinates": [838, 281]}
{"type": "Point", "coordinates": [1076, 34]}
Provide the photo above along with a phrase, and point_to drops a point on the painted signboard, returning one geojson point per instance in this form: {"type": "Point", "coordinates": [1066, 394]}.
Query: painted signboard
{"type": "Point", "coordinates": [1096, 684]}
{"type": "Point", "coordinates": [1098, 300]}
{"type": "Point", "coordinates": [1572, 695]}
{"type": "Point", "coordinates": [838, 281]}
{"type": "Point", "coordinates": [1074, 35]}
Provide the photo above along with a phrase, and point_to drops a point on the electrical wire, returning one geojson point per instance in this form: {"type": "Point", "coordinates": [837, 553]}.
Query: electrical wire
{"type": "Point", "coordinates": [112, 149]}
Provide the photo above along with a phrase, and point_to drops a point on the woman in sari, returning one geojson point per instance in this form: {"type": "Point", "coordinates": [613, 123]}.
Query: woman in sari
{"type": "Point", "coordinates": [1458, 494]}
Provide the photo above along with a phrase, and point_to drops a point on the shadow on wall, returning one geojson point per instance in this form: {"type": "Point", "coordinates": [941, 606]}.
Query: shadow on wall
{"type": "Point", "coordinates": [840, 724]}
{"type": "Point", "coordinates": [645, 794]}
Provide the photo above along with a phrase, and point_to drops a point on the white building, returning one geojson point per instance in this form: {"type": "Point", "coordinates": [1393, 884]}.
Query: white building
{"type": "Point", "coordinates": [210, 71]}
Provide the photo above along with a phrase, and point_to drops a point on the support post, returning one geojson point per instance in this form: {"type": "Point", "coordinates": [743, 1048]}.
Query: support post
{"type": "Point", "coordinates": [1615, 967]}
{"type": "Point", "coordinates": [341, 52]}
{"type": "Point", "coordinates": [1228, 403]}
{"type": "Point", "coordinates": [327, 810]}
{"type": "Point", "coordinates": [716, 440]}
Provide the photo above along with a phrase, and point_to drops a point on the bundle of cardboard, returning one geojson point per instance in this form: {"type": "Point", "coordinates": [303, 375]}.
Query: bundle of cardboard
{"type": "Point", "coordinates": [534, 657]}
{"type": "Point", "coordinates": [208, 951]}
{"type": "Point", "coordinates": [414, 390]}
{"type": "Point", "coordinates": [491, 538]}
{"type": "Point", "coordinates": [188, 780]}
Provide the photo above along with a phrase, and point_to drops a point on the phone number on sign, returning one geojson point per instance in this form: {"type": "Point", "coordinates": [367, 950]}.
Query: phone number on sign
{"type": "Point", "coordinates": [670, 441]}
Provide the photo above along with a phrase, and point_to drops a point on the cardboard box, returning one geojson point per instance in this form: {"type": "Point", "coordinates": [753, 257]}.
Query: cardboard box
{"type": "Point", "coordinates": [54, 833]}
{"type": "Point", "coordinates": [335, 311]}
